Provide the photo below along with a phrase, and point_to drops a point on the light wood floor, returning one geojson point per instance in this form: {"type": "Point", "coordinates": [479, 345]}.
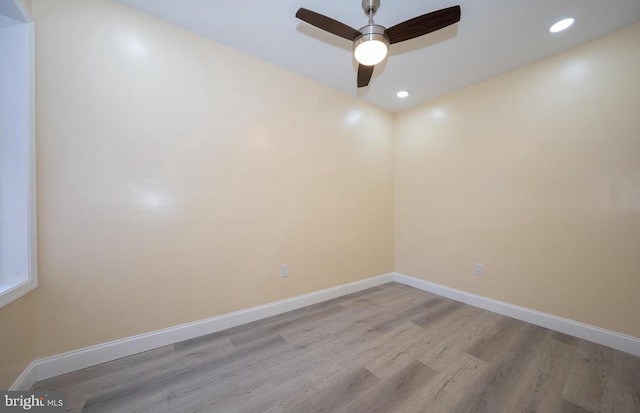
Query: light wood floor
{"type": "Point", "coordinates": [387, 349]}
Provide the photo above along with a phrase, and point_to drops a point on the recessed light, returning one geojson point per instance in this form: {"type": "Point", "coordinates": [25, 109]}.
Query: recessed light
{"type": "Point", "coordinates": [561, 25]}
{"type": "Point", "coordinates": [402, 94]}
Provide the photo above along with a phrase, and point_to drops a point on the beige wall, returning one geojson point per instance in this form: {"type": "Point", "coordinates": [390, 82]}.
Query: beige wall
{"type": "Point", "coordinates": [536, 174]}
{"type": "Point", "coordinates": [175, 175]}
{"type": "Point", "coordinates": [17, 324]}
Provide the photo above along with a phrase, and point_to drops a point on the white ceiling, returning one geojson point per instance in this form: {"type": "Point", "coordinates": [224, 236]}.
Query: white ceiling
{"type": "Point", "coordinates": [493, 37]}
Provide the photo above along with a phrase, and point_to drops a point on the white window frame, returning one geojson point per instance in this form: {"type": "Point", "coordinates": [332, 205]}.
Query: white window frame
{"type": "Point", "coordinates": [29, 281]}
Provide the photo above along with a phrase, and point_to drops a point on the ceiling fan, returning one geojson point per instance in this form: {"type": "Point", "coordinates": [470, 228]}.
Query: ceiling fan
{"type": "Point", "coordinates": [371, 42]}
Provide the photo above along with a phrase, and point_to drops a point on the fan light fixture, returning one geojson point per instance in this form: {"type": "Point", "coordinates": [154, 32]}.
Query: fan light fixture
{"type": "Point", "coordinates": [371, 42]}
{"type": "Point", "coordinates": [372, 47]}
{"type": "Point", "coordinates": [371, 52]}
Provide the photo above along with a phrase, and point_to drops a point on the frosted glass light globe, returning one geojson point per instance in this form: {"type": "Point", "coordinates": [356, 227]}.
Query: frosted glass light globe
{"type": "Point", "coordinates": [371, 52]}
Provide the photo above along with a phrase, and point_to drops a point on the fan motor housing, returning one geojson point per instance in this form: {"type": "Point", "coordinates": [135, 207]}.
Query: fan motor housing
{"type": "Point", "coordinates": [371, 32]}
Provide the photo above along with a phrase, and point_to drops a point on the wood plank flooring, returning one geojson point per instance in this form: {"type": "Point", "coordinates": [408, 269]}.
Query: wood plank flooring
{"type": "Point", "coordinates": [386, 349]}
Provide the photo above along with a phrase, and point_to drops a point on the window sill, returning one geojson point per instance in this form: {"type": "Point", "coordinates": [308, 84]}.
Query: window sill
{"type": "Point", "coordinates": [11, 292]}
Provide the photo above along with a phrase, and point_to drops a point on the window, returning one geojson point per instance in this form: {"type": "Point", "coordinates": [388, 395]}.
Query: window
{"type": "Point", "coordinates": [18, 271]}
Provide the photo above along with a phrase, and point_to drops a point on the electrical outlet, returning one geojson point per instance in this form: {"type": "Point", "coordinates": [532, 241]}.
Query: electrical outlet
{"type": "Point", "coordinates": [284, 270]}
{"type": "Point", "coordinates": [479, 269]}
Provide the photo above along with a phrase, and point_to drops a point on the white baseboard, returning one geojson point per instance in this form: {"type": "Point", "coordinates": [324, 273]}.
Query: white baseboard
{"type": "Point", "coordinates": [26, 379]}
{"type": "Point", "coordinates": [598, 335]}
{"type": "Point", "coordinates": [90, 356]}
{"type": "Point", "coordinates": [49, 367]}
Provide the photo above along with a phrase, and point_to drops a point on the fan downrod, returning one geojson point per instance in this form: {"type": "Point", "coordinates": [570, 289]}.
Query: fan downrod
{"type": "Point", "coordinates": [370, 7]}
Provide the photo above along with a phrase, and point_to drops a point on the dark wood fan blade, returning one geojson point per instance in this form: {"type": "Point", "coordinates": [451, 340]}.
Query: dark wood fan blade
{"type": "Point", "coordinates": [364, 75]}
{"type": "Point", "coordinates": [327, 24]}
{"type": "Point", "coordinates": [424, 24]}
